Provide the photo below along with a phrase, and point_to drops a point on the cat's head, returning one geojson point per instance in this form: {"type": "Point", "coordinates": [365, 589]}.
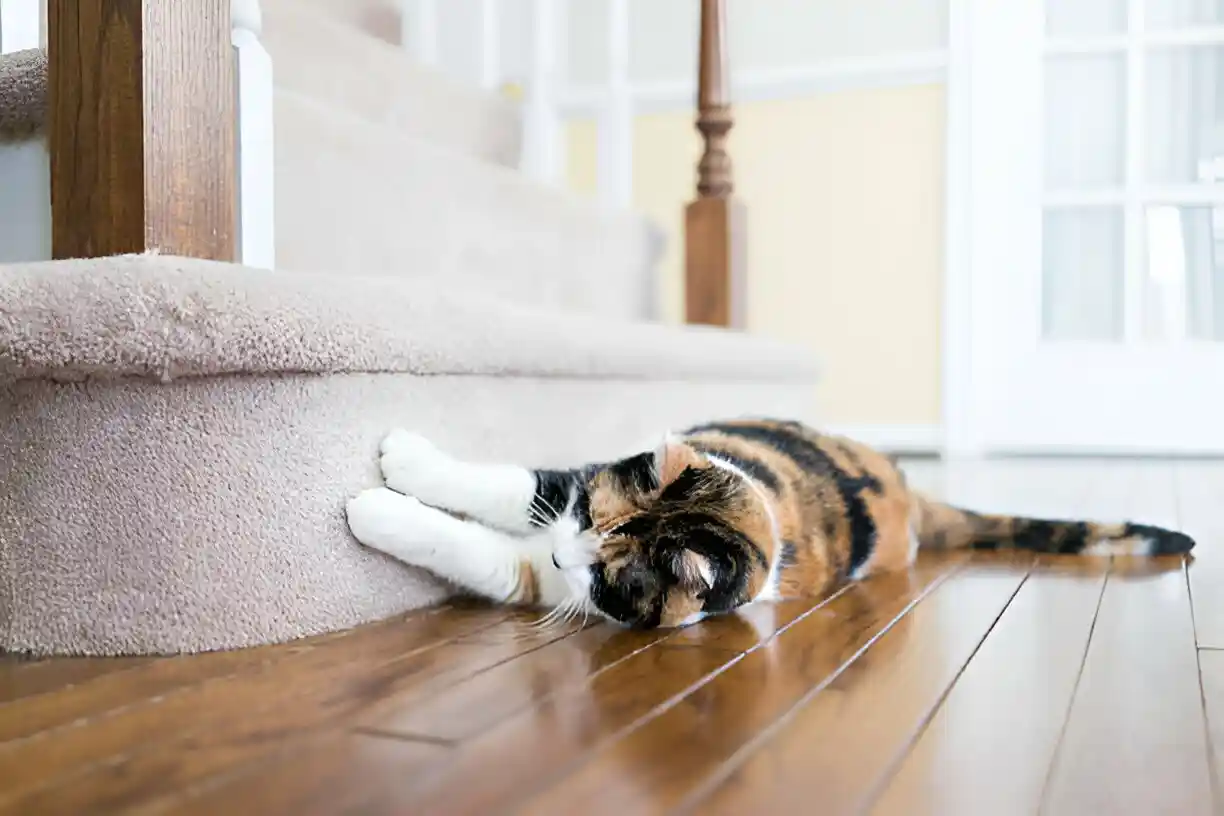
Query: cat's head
{"type": "Point", "coordinates": [673, 535]}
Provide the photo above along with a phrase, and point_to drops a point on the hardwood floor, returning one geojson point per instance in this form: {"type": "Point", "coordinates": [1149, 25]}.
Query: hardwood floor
{"type": "Point", "coordinates": [974, 684]}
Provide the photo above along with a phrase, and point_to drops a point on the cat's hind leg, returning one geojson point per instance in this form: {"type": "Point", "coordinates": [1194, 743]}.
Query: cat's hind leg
{"type": "Point", "coordinates": [509, 497]}
{"type": "Point", "coordinates": [487, 562]}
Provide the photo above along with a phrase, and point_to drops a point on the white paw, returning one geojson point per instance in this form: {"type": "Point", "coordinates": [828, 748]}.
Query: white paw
{"type": "Point", "coordinates": [412, 465]}
{"type": "Point", "coordinates": [396, 524]}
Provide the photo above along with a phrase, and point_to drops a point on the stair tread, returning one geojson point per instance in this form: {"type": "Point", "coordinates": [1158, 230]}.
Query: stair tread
{"type": "Point", "coordinates": [168, 317]}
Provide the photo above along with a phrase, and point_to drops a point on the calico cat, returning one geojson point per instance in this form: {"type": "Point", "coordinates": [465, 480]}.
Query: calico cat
{"type": "Point", "coordinates": [718, 516]}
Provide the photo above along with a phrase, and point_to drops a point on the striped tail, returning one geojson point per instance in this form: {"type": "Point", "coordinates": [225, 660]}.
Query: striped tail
{"type": "Point", "coordinates": [941, 526]}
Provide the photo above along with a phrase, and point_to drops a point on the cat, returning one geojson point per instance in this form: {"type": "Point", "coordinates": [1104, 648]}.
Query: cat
{"type": "Point", "coordinates": [716, 517]}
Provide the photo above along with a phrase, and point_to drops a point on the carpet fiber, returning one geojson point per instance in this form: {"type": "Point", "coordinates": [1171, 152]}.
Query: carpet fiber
{"type": "Point", "coordinates": [23, 94]}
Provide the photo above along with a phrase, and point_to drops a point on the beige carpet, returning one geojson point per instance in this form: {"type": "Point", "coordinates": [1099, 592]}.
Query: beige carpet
{"type": "Point", "coordinates": [178, 437]}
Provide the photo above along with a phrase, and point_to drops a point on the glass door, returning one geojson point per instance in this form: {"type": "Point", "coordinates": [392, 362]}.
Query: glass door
{"type": "Point", "coordinates": [1098, 224]}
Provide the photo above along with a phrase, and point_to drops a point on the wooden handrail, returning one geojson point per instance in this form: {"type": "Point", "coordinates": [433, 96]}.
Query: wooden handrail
{"type": "Point", "coordinates": [715, 222]}
{"type": "Point", "coordinates": [141, 127]}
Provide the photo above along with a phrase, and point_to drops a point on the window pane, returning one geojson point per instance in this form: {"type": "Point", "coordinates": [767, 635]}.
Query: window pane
{"type": "Point", "coordinates": [1085, 121]}
{"type": "Point", "coordinates": [1071, 18]}
{"type": "Point", "coordinates": [1082, 275]}
{"type": "Point", "coordinates": [1183, 13]}
{"type": "Point", "coordinates": [1185, 115]}
{"type": "Point", "coordinates": [1184, 281]}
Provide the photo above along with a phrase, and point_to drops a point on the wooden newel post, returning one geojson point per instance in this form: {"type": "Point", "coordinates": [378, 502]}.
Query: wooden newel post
{"type": "Point", "coordinates": [714, 224]}
{"type": "Point", "coordinates": [141, 127]}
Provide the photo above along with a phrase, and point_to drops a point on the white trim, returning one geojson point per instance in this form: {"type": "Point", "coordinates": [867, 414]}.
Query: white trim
{"type": "Point", "coordinates": [256, 163]}
{"type": "Point", "coordinates": [916, 438]}
{"type": "Point", "coordinates": [1189, 195]}
{"type": "Point", "coordinates": [1118, 43]}
{"type": "Point", "coordinates": [245, 14]}
{"type": "Point", "coordinates": [419, 31]}
{"type": "Point", "coordinates": [20, 25]}
{"type": "Point", "coordinates": [543, 153]}
{"type": "Point", "coordinates": [960, 437]}
{"type": "Point", "coordinates": [614, 144]}
{"type": "Point", "coordinates": [1134, 266]}
{"type": "Point", "coordinates": [918, 68]}
{"type": "Point", "coordinates": [490, 45]}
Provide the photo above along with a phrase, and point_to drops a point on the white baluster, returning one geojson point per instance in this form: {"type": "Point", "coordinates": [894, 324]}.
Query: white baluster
{"type": "Point", "coordinates": [542, 147]}
{"type": "Point", "coordinates": [614, 147]}
{"type": "Point", "coordinates": [419, 31]}
{"type": "Point", "coordinates": [256, 165]}
{"type": "Point", "coordinates": [20, 25]}
{"type": "Point", "coordinates": [490, 44]}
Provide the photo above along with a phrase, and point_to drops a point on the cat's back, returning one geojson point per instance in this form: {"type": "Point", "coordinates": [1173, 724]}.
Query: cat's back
{"type": "Point", "coordinates": [792, 450]}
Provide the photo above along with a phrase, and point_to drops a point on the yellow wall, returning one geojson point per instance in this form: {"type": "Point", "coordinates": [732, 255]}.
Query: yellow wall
{"type": "Point", "coordinates": [845, 205]}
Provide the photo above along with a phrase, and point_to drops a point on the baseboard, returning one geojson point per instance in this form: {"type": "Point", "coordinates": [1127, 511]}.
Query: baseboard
{"type": "Point", "coordinates": [899, 439]}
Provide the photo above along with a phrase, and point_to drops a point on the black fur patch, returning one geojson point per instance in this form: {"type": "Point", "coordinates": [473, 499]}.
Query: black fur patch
{"type": "Point", "coordinates": [552, 495]}
{"type": "Point", "coordinates": [786, 558]}
{"type": "Point", "coordinates": [684, 485]}
{"type": "Point", "coordinates": [730, 554]}
{"type": "Point", "coordinates": [635, 474]}
{"type": "Point", "coordinates": [634, 598]}
{"type": "Point", "coordinates": [1164, 542]}
{"type": "Point", "coordinates": [1067, 537]}
{"type": "Point", "coordinates": [757, 471]}
{"type": "Point", "coordinates": [789, 439]}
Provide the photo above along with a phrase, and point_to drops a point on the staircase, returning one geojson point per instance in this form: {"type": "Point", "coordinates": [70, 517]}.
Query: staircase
{"type": "Point", "coordinates": [179, 431]}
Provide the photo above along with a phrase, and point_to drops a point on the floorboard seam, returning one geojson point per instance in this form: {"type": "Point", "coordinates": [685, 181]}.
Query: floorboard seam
{"type": "Point", "coordinates": [1079, 676]}
{"type": "Point", "coordinates": [694, 797]}
{"type": "Point", "coordinates": [115, 759]}
{"type": "Point", "coordinates": [895, 764]}
{"type": "Point", "coordinates": [1198, 665]}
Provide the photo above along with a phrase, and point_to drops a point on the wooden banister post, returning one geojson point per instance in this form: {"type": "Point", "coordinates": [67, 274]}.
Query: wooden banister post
{"type": "Point", "coordinates": [141, 127]}
{"type": "Point", "coordinates": [714, 224]}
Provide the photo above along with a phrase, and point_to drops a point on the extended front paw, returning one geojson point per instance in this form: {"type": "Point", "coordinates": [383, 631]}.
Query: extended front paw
{"type": "Point", "coordinates": [388, 521]}
{"type": "Point", "coordinates": [411, 464]}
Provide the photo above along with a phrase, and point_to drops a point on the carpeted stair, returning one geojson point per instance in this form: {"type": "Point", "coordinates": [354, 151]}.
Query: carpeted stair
{"type": "Point", "coordinates": [178, 437]}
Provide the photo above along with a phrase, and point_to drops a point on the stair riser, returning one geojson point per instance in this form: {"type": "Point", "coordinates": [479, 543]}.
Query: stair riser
{"type": "Point", "coordinates": [141, 518]}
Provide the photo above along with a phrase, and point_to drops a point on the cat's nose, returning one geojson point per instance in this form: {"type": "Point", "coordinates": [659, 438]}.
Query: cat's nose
{"type": "Point", "coordinates": [554, 559]}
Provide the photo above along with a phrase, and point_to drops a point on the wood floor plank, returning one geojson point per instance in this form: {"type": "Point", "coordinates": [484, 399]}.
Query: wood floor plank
{"type": "Point", "coordinates": [149, 678]}
{"type": "Point", "coordinates": [183, 735]}
{"type": "Point", "coordinates": [978, 755]}
{"type": "Point", "coordinates": [1135, 740]}
{"type": "Point", "coordinates": [326, 778]}
{"type": "Point", "coordinates": [518, 756]}
{"type": "Point", "coordinates": [246, 742]}
{"type": "Point", "coordinates": [473, 706]}
{"type": "Point", "coordinates": [478, 704]}
{"type": "Point", "coordinates": [748, 628]}
{"type": "Point", "coordinates": [839, 682]}
{"type": "Point", "coordinates": [21, 678]}
{"type": "Point", "coordinates": [1211, 667]}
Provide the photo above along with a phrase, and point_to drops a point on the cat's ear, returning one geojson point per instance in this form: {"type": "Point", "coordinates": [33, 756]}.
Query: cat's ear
{"type": "Point", "coordinates": [693, 571]}
{"type": "Point", "coordinates": [673, 457]}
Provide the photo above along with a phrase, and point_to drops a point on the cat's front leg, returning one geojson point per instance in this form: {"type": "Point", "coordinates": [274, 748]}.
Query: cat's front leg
{"type": "Point", "coordinates": [488, 562]}
{"type": "Point", "coordinates": [510, 497]}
